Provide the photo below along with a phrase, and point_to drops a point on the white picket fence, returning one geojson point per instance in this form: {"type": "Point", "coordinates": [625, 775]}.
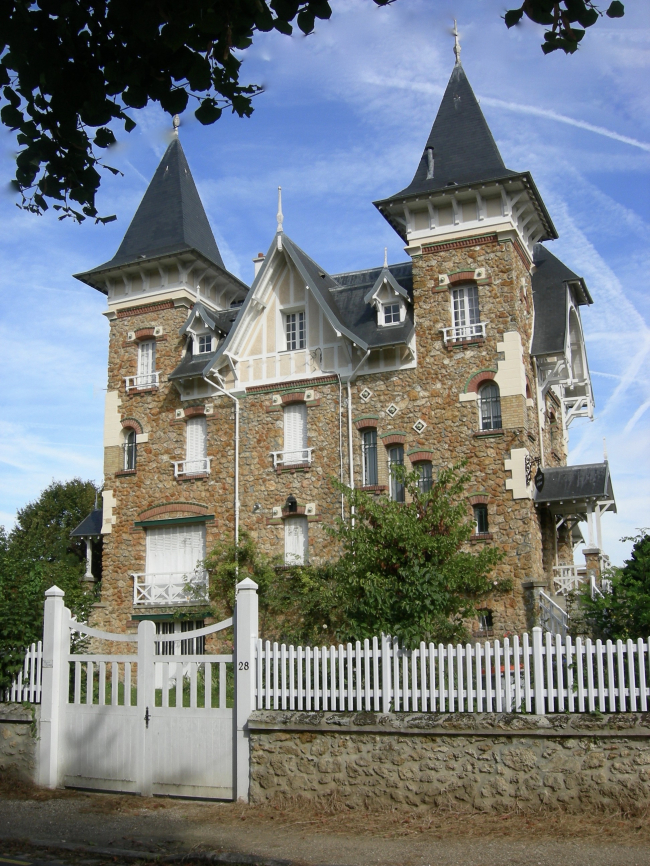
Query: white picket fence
{"type": "Point", "coordinates": [27, 684]}
{"type": "Point", "coordinates": [542, 674]}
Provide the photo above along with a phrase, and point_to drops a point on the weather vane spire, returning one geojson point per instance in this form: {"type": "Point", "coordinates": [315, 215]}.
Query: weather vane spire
{"type": "Point", "coordinates": [280, 214]}
{"type": "Point", "coordinates": [176, 122]}
{"type": "Point", "coordinates": [385, 257]}
{"type": "Point", "coordinates": [454, 33]}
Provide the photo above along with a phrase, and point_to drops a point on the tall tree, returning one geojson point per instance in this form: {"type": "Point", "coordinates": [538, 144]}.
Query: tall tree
{"type": "Point", "coordinates": [36, 554]}
{"type": "Point", "coordinates": [71, 70]}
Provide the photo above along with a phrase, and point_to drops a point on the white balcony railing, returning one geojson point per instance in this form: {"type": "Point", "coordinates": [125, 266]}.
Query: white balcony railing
{"type": "Point", "coordinates": [139, 383]}
{"type": "Point", "coordinates": [171, 587]}
{"type": "Point", "coordinates": [568, 578]}
{"type": "Point", "coordinates": [463, 332]}
{"type": "Point", "coordinates": [291, 458]}
{"type": "Point", "coordinates": [183, 468]}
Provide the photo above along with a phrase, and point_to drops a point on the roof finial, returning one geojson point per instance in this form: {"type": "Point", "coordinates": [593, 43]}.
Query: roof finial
{"type": "Point", "coordinates": [454, 33]}
{"type": "Point", "coordinates": [604, 449]}
{"type": "Point", "coordinates": [176, 122]}
{"type": "Point", "coordinates": [385, 257]}
{"type": "Point", "coordinates": [280, 214]}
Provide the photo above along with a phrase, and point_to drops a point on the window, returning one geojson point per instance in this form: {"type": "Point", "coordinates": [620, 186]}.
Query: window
{"type": "Point", "coordinates": [485, 622]}
{"type": "Point", "coordinates": [490, 406]}
{"type": "Point", "coordinates": [196, 446]}
{"type": "Point", "coordinates": [425, 471]}
{"type": "Point", "coordinates": [391, 314]}
{"type": "Point", "coordinates": [204, 343]}
{"type": "Point", "coordinates": [146, 364]}
{"type": "Point", "coordinates": [295, 541]}
{"type": "Point", "coordinates": [294, 324]}
{"type": "Point", "coordinates": [369, 453]}
{"type": "Point", "coordinates": [129, 449]}
{"type": "Point", "coordinates": [481, 519]}
{"type": "Point", "coordinates": [466, 311]}
{"type": "Point", "coordinates": [396, 458]}
{"type": "Point", "coordinates": [174, 553]}
{"type": "Point", "coordinates": [187, 647]}
{"type": "Point", "coordinates": [295, 434]}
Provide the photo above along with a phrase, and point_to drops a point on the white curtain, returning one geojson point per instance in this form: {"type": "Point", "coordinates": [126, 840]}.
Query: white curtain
{"type": "Point", "coordinates": [295, 433]}
{"type": "Point", "coordinates": [295, 541]}
{"type": "Point", "coordinates": [196, 446]}
{"type": "Point", "coordinates": [174, 549]}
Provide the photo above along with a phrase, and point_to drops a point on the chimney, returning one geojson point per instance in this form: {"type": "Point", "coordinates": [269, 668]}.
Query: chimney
{"type": "Point", "coordinates": [258, 262]}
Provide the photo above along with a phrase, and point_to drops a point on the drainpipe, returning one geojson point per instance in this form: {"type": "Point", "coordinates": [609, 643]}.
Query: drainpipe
{"type": "Point", "coordinates": [350, 452]}
{"type": "Point", "coordinates": [539, 414]}
{"type": "Point", "coordinates": [223, 391]}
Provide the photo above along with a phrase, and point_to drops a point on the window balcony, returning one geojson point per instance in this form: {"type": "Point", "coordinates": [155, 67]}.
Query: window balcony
{"type": "Point", "coordinates": [568, 578]}
{"type": "Point", "coordinates": [143, 382]}
{"type": "Point", "coordinates": [287, 459]}
{"type": "Point", "coordinates": [187, 468]}
{"type": "Point", "coordinates": [172, 587]}
{"type": "Point", "coordinates": [461, 333]}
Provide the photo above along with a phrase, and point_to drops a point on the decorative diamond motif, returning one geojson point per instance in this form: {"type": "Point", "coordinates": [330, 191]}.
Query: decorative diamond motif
{"type": "Point", "coordinates": [365, 395]}
{"type": "Point", "coordinates": [419, 425]}
{"type": "Point", "coordinates": [392, 410]}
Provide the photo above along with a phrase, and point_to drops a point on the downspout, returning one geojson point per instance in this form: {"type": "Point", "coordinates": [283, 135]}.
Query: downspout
{"type": "Point", "coordinates": [350, 451]}
{"type": "Point", "coordinates": [338, 376]}
{"type": "Point", "coordinates": [539, 414]}
{"type": "Point", "coordinates": [223, 391]}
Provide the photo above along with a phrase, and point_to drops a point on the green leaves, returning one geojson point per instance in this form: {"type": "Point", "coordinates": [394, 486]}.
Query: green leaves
{"type": "Point", "coordinates": [208, 112]}
{"type": "Point", "coordinates": [560, 15]}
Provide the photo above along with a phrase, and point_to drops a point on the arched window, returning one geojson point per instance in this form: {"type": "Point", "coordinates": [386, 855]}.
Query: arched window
{"type": "Point", "coordinates": [490, 406]}
{"type": "Point", "coordinates": [130, 449]}
{"type": "Point", "coordinates": [396, 458]}
{"type": "Point", "coordinates": [425, 471]}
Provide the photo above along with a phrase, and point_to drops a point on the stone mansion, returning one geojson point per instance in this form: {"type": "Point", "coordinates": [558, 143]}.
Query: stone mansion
{"type": "Point", "coordinates": [231, 407]}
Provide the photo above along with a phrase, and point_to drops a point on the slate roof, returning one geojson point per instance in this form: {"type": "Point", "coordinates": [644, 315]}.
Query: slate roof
{"type": "Point", "coordinates": [221, 322]}
{"type": "Point", "coordinates": [568, 483]}
{"type": "Point", "coordinates": [361, 317]}
{"type": "Point", "coordinates": [90, 525]}
{"type": "Point", "coordinates": [551, 280]}
{"type": "Point", "coordinates": [169, 219]}
{"type": "Point", "coordinates": [464, 150]}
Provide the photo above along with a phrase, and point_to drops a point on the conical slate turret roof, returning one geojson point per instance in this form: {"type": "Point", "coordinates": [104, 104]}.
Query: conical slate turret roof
{"type": "Point", "coordinates": [170, 217]}
{"type": "Point", "coordinates": [463, 149]}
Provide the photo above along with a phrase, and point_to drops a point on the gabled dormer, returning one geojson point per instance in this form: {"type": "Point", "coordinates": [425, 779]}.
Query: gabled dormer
{"type": "Point", "coordinates": [461, 185]}
{"type": "Point", "coordinates": [169, 251]}
{"type": "Point", "coordinates": [388, 298]}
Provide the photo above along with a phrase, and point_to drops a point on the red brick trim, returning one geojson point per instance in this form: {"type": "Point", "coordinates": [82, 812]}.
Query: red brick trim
{"type": "Point", "coordinates": [478, 379]}
{"type": "Point", "coordinates": [191, 411]}
{"type": "Point", "coordinates": [293, 467]}
{"type": "Point", "coordinates": [150, 308]}
{"type": "Point", "coordinates": [144, 334]}
{"type": "Point", "coordinates": [460, 244]}
{"type": "Point", "coordinates": [285, 386]}
{"type": "Point", "coordinates": [133, 424]}
{"type": "Point", "coordinates": [374, 488]}
{"type": "Point", "coordinates": [480, 536]}
{"type": "Point", "coordinates": [125, 472]}
{"type": "Point", "coordinates": [302, 510]}
{"type": "Point", "coordinates": [529, 390]}
{"type": "Point", "coordinates": [198, 477]}
{"type": "Point", "coordinates": [461, 277]}
{"type": "Point", "coordinates": [393, 439]}
{"type": "Point", "coordinates": [523, 255]}
{"type": "Point", "coordinates": [365, 423]}
{"type": "Point", "coordinates": [136, 391]}
{"type": "Point", "coordinates": [173, 508]}
{"type": "Point", "coordinates": [478, 499]}
{"type": "Point", "coordinates": [293, 397]}
{"type": "Point", "coordinates": [463, 344]}
{"type": "Point", "coordinates": [485, 434]}
{"type": "Point", "coordinates": [421, 457]}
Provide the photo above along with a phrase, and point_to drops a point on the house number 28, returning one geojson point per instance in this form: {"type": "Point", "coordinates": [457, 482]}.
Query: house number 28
{"type": "Point", "coordinates": [243, 666]}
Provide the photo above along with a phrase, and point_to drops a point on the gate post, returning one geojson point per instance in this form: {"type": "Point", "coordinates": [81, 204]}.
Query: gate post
{"type": "Point", "coordinates": [246, 633]}
{"type": "Point", "coordinates": [146, 701]}
{"type": "Point", "coordinates": [56, 647]}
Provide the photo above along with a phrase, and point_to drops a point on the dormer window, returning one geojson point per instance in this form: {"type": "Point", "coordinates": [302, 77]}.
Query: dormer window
{"type": "Point", "coordinates": [391, 314]}
{"type": "Point", "coordinates": [204, 344]}
{"type": "Point", "coordinates": [294, 329]}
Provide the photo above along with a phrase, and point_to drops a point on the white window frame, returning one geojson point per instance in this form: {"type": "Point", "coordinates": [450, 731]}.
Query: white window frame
{"type": "Point", "coordinates": [383, 309]}
{"type": "Point", "coordinates": [469, 313]}
{"type": "Point", "coordinates": [292, 540]}
{"type": "Point", "coordinates": [295, 440]}
{"type": "Point", "coordinates": [147, 376]}
{"type": "Point", "coordinates": [199, 350]}
{"type": "Point", "coordinates": [294, 319]}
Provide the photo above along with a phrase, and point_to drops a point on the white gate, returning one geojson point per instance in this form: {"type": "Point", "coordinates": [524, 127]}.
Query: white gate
{"type": "Point", "coordinates": [147, 723]}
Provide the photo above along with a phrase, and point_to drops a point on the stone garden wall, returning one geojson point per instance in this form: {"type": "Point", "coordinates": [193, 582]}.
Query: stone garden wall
{"type": "Point", "coordinates": [490, 762]}
{"type": "Point", "coordinates": [18, 739]}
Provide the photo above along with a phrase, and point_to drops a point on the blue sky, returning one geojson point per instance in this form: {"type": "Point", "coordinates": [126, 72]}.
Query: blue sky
{"type": "Point", "coordinates": [342, 122]}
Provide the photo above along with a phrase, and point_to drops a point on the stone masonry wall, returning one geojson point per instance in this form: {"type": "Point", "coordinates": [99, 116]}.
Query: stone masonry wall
{"type": "Point", "coordinates": [18, 740]}
{"type": "Point", "coordinates": [487, 762]}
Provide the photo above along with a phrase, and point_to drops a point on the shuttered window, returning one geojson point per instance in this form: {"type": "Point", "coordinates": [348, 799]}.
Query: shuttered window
{"type": "Point", "coordinates": [146, 364]}
{"type": "Point", "coordinates": [196, 446]}
{"type": "Point", "coordinates": [295, 541]}
{"type": "Point", "coordinates": [174, 550]}
{"type": "Point", "coordinates": [295, 433]}
{"type": "Point", "coordinates": [466, 311]}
